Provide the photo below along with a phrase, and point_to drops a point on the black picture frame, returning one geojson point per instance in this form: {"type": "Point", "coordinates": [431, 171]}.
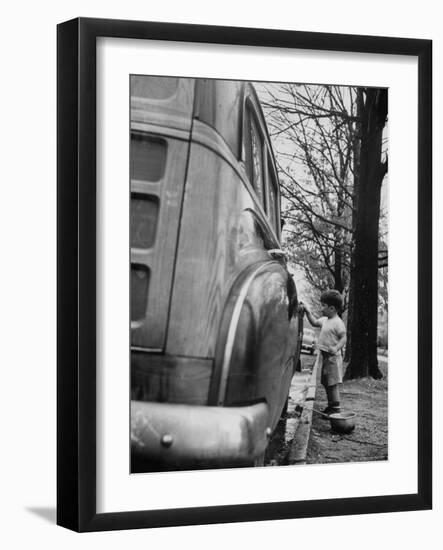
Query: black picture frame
{"type": "Point", "coordinates": [76, 265]}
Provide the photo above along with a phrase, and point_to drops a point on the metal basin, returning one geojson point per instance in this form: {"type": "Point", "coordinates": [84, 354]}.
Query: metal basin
{"type": "Point", "coordinates": [343, 422]}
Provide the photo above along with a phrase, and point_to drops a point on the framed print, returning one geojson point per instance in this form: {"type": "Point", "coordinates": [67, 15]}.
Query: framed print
{"type": "Point", "coordinates": [244, 274]}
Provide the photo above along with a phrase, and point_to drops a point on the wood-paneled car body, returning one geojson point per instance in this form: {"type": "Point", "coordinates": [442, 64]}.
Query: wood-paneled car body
{"type": "Point", "coordinates": [215, 328]}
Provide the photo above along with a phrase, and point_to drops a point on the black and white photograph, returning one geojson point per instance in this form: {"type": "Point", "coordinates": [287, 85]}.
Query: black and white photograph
{"type": "Point", "coordinates": [243, 283]}
{"type": "Point", "coordinates": [220, 283]}
{"type": "Point", "coordinates": [259, 245]}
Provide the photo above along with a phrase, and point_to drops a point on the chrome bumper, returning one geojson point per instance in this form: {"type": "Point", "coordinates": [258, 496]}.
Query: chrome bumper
{"type": "Point", "coordinates": [180, 435]}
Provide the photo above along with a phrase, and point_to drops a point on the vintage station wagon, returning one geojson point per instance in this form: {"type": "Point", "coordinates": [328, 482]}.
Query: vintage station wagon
{"type": "Point", "coordinates": [215, 328]}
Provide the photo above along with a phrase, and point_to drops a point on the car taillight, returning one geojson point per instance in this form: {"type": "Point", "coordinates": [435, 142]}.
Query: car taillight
{"type": "Point", "coordinates": [139, 291]}
{"type": "Point", "coordinates": [148, 157]}
{"type": "Point", "coordinates": [144, 217]}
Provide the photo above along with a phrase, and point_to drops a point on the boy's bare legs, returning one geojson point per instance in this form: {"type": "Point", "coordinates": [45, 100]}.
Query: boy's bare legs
{"type": "Point", "coordinates": [333, 393]}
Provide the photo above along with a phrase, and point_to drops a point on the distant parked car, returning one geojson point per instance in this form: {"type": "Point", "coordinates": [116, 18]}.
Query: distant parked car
{"type": "Point", "coordinates": [309, 340]}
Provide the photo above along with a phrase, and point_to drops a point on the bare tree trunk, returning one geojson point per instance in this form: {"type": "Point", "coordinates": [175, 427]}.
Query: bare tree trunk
{"type": "Point", "coordinates": [363, 323]}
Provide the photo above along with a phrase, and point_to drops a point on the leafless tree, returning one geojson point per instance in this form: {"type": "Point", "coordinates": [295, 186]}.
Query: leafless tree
{"type": "Point", "coordinates": [313, 129]}
{"type": "Point", "coordinates": [372, 111]}
{"type": "Point", "coordinates": [329, 143]}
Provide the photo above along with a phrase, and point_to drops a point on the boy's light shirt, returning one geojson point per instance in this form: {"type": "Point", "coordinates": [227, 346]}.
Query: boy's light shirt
{"type": "Point", "coordinates": [331, 332]}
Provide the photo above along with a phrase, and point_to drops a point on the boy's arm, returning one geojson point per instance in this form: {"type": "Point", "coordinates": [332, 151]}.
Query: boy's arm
{"type": "Point", "coordinates": [314, 322]}
{"type": "Point", "coordinates": [338, 346]}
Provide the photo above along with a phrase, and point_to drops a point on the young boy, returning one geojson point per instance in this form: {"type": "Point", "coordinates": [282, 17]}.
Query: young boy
{"type": "Point", "coordinates": [330, 342]}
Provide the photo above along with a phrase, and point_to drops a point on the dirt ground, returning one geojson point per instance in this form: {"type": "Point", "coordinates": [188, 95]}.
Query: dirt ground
{"type": "Point", "coordinates": [366, 397]}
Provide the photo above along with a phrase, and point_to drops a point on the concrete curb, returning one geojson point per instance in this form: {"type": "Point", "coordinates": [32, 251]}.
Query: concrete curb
{"type": "Point", "coordinates": [299, 446]}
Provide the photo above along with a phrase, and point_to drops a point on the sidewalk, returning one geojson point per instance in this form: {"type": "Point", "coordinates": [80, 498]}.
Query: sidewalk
{"type": "Point", "coordinates": [299, 445]}
{"type": "Point", "coordinates": [368, 398]}
{"type": "Point", "coordinates": [304, 437]}
{"type": "Point", "coordinates": [300, 391]}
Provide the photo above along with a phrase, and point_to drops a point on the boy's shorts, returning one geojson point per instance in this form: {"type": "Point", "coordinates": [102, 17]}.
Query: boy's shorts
{"type": "Point", "coordinates": [331, 368]}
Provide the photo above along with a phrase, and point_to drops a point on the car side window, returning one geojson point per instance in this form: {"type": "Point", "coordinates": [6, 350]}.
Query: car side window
{"type": "Point", "coordinates": [254, 155]}
{"type": "Point", "coordinates": [273, 209]}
